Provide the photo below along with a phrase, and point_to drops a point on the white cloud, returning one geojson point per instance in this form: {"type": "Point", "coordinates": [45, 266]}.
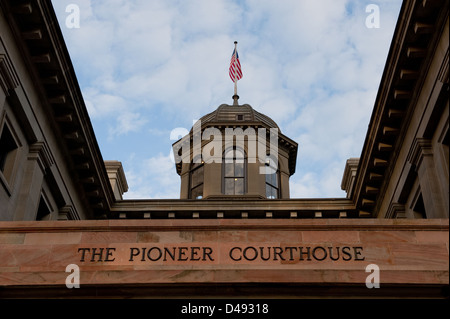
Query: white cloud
{"type": "Point", "coordinates": [153, 65]}
{"type": "Point", "coordinates": [103, 105]}
{"type": "Point", "coordinates": [127, 122]}
{"type": "Point", "coordinates": [153, 178]}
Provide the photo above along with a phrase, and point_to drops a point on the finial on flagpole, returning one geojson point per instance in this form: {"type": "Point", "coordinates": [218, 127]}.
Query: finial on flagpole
{"type": "Point", "coordinates": [235, 99]}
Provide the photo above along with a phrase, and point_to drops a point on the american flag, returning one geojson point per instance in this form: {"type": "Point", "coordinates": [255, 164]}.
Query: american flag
{"type": "Point", "coordinates": [235, 67]}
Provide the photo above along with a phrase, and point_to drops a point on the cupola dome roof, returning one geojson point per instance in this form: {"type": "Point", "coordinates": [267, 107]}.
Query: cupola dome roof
{"type": "Point", "coordinates": [237, 113]}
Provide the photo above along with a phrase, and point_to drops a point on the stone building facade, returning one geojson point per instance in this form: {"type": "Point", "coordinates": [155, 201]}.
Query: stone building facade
{"type": "Point", "coordinates": [52, 169]}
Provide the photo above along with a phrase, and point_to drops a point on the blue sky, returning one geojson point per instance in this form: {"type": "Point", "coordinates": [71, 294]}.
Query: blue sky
{"type": "Point", "coordinates": [147, 67]}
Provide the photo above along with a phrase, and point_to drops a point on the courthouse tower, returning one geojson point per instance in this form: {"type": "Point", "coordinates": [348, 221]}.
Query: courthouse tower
{"type": "Point", "coordinates": [235, 152]}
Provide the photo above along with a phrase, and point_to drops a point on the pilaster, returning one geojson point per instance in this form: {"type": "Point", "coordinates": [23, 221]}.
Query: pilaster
{"type": "Point", "coordinates": [38, 160]}
{"type": "Point", "coordinates": [421, 156]}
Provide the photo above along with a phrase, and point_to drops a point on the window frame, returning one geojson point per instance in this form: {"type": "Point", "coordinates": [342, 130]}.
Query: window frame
{"type": "Point", "coordinates": [47, 199]}
{"type": "Point", "coordinates": [8, 172]}
{"type": "Point", "coordinates": [195, 167]}
{"type": "Point", "coordinates": [245, 169]}
{"type": "Point", "coordinates": [277, 176]}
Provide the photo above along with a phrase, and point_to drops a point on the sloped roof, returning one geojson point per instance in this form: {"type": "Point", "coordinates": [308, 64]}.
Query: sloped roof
{"type": "Point", "coordinates": [229, 113]}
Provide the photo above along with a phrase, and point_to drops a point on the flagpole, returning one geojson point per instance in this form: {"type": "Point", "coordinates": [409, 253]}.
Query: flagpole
{"type": "Point", "coordinates": [235, 96]}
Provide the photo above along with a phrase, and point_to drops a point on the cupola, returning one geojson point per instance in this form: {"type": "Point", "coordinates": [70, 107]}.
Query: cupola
{"type": "Point", "coordinates": [235, 152]}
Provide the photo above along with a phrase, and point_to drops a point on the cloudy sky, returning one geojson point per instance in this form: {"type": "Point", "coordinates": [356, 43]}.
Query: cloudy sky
{"type": "Point", "coordinates": [147, 67]}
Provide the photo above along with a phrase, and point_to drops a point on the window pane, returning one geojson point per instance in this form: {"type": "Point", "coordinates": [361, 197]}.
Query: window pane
{"type": "Point", "coordinates": [229, 169]}
{"type": "Point", "coordinates": [275, 180]}
{"type": "Point", "coordinates": [229, 186]}
{"type": "Point", "coordinates": [239, 186]}
{"type": "Point", "coordinates": [239, 170]}
{"type": "Point", "coordinates": [234, 172]}
{"type": "Point", "coordinates": [197, 192]}
{"type": "Point", "coordinates": [271, 192]}
{"type": "Point", "coordinates": [197, 176]}
{"type": "Point", "coordinates": [268, 178]}
{"type": "Point", "coordinates": [272, 179]}
{"type": "Point", "coordinates": [229, 156]}
{"type": "Point", "coordinates": [239, 157]}
{"type": "Point", "coordinates": [268, 191]}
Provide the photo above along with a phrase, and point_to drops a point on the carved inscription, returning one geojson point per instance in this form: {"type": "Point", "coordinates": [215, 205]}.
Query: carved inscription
{"type": "Point", "coordinates": [238, 254]}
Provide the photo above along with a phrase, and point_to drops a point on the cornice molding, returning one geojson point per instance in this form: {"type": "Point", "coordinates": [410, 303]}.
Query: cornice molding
{"type": "Point", "coordinates": [226, 225]}
{"type": "Point", "coordinates": [397, 97]}
{"type": "Point", "coordinates": [421, 147]}
{"type": "Point", "coordinates": [50, 67]}
{"type": "Point", "coordinates": [40, 151]}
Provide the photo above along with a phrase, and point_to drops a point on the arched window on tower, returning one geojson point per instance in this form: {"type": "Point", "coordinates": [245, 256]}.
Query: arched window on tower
{"type": "Point", "coordinates": [272, 178]}
{"type": "Point", "coordinates": [196, 180]}
{"type": "Point", "coordinates": [234, 171]}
